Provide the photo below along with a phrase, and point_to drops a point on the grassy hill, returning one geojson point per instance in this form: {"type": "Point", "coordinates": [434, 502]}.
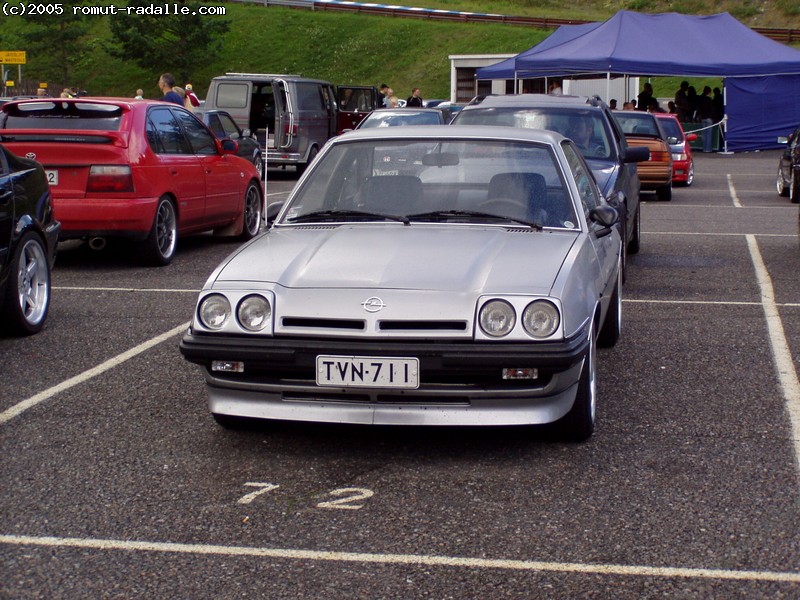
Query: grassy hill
{"type": "Point", "coordinates": [361, 49]}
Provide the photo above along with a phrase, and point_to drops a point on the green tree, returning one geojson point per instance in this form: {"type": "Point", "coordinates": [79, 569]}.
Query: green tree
{"type": "Point", "coordinates": [167, 42]}
{"type": "Point", "coordinates": [56, 43]}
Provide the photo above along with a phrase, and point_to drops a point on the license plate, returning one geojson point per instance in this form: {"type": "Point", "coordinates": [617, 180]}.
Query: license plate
{"type": "Point", "coordinates": [368, 371]}
{"type": "Point", "coordinates": [52, 176]}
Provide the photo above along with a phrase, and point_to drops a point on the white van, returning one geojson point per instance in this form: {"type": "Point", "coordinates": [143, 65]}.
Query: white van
{"type": "Point", "coordinates": [292, 116]}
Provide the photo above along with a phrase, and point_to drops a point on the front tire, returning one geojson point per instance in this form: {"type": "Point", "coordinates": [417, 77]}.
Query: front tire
{"type": "Point", "coordinates": [690, 174]}
{"type": "Point", "coordinates": [780, 183]}
{"type": "Point", "coordinates": [27, 298]}
{"type": "Point", "coordinates": [253, 204]}
{"type": "Point", "coordinates": [612, 326]}
{"type": "Point", "coordinates": [159, 247]}
{"type": "Point", "coordinates": [634, 242]}
{"type": "Point", "coordinates": [578, 424]}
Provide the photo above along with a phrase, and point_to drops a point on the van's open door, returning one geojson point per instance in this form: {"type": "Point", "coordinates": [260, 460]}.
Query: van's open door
{"type": "Point", "coordinates": [355, 103]}
{"type": "Point", "coordinates": [285, 127]}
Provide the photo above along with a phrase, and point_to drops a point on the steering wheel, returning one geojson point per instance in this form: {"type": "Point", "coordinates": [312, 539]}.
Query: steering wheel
{"type": "Point", "coordinates": [510, 207]}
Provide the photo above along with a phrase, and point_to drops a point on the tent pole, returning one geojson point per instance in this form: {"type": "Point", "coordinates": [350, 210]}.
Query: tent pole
{"type": "Point", "coordinates": [724, 125]}
{"type": "Point", "coordinates": [608, 87]}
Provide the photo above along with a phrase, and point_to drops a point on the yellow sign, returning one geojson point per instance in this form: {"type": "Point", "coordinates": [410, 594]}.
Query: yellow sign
{"type": "Point", "coordinates": [9, 83]}
{"type": "Point", "coordinates": [13, 57]}
{"type": "Point", "coordinates": [43, 84]}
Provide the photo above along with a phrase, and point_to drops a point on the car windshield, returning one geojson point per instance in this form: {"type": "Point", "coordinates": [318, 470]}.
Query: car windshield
{"type": "Point", "coordinates": [586, 127]}
{"type": "Point", "coordinates": [392, 119]}
{"type": "Point", "coordinates": [672, 129]}
{"type": "Point", "coordinates": [424, 181]}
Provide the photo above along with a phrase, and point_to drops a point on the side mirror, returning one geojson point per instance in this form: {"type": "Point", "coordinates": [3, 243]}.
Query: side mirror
{"type": "Point", "coordinates": [604, 217]}
{"type": "Point", "coordinates": [690, 137]}
{"type": "Point", "coordinates": [229, 146]}
{"type": "Point", "coordinates": [247, 133]}
{"type": "Point", "coordinates": [636, 154]}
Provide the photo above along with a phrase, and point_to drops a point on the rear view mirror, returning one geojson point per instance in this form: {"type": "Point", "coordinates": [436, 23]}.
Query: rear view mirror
{"type": "Point", "coordinates": [690, 137]}
{"type": "Point", "coordinates": [229, 146]}
{"type": "Point", "coordinates": [440, 159]}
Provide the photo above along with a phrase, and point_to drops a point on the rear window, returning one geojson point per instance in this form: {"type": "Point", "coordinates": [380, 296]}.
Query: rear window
{"type": "Point", "coordinates": [62, 115]}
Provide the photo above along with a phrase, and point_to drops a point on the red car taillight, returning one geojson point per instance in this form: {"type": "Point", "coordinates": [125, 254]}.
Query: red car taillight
{"type": "Point", "coordinates": [110, 178]}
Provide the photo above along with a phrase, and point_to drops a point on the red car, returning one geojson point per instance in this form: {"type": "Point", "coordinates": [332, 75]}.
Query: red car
{"type": "Point", "coordinates": [138, 169]}
{"type": "Point", "coordinates": [682, 161]}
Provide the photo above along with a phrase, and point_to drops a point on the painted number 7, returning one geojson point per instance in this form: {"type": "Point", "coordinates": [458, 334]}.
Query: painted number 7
{"type": "Point", "coordinates": [263, 488]}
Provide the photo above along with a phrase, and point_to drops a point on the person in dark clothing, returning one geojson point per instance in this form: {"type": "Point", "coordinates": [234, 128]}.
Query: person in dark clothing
{"type": "Point", "coordinates": [682, 102]}
{"type": "Point", "coordinates": [691, 94]}
{"type": "Point", "coordinates": [644, 97]}
{"type": "Point", "coordinates": [705, 110]}
{"type": "Point", "coordinates": [166, 82]}
{"type": "Point", "coordinates": [414, 99]}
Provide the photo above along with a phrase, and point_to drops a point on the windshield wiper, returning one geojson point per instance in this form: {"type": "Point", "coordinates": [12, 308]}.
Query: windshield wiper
{"type": "Point", "coordinates": [337, 215]}
{"type": "Point", "coordinates": [446, 214]}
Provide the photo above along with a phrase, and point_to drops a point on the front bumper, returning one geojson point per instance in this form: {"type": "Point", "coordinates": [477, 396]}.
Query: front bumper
{"type": "Point", "coordinates": [460, 383]}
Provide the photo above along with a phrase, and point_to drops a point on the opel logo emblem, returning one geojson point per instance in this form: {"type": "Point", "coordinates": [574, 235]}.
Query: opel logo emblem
{"type": "Point", "coordinates": [373, 304]}
{"type": "Point", "coordinates": [31, 155]}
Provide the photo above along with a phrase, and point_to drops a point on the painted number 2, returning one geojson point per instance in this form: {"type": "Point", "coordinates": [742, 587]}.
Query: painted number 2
{"type": "Point", "coordinates": [349, 496]}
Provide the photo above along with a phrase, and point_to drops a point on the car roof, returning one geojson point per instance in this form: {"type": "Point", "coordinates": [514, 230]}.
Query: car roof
{"type": "Point", "coordinates": [407, 109]}
{"type": "Point", "coordinates": [533, 100]}
{"type": "Point", "coordinates": [454, 132]}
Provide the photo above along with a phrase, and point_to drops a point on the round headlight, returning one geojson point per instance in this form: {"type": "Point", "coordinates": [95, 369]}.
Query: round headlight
{"type": "Point", "coordinates": [254, 313]}
{"type": "Point", "coordinates": [497, 318]}
{"type": "Point", "coordinates": [214, 311]}
{"type": "Point", "coordinates": [540, 318]}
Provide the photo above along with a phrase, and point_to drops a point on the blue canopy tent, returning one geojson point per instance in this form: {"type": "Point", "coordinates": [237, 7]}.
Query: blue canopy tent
{"type": "Point", "coordinates": [762, 76]}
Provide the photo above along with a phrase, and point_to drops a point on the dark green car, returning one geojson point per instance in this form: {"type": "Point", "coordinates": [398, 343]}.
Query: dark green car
{"type": "Point", "coordinates": [224, 127]}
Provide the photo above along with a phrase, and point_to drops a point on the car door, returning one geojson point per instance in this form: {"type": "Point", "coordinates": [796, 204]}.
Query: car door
{"type": "Point", "coordinates": [355, 103]}
{"type": "Point", "coordinates": [6, 208]}
{"type": "Point", "coordinates": [180, 167]}
{"type": "Point", "coordinates": [605, 246]}
{"type": "Point", "coordinates": [221, 172]}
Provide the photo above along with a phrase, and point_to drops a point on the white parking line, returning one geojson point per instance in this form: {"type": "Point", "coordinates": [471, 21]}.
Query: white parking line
{"type": "Point", "coordinates": [732, 191]}
{"type": "Point", "coordinates": [116, 289]}
{"type": "Point", "coordinates": [402, 559]}
{"type": "Point", "coordinates": [21, 407]}
{"type": "Point", "coordinates": [782, 354]}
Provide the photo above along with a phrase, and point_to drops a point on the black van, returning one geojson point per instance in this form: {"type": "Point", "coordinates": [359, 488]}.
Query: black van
{"type": "Point", "coordinates": [292, 116]}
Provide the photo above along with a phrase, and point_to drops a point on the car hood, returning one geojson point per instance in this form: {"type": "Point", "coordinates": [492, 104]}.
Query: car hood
{"type": "Point", "coordinates": [418, 257]}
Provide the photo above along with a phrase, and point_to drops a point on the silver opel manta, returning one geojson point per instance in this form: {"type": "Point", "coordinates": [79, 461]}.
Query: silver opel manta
{"type": "Point", "coordinates": [442, 275]}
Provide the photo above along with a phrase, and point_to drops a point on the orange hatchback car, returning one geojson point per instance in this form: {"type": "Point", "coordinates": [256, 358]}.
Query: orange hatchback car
{"type": "Point", "coordinates": [642, 129]}
{"type": "Point", "coordinates": [145, 170]}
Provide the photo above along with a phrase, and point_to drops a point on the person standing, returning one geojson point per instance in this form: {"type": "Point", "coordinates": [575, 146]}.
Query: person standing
{"type": "Point", "coordinates": [414, 99]}
{"type": "Point", "coordinates": [705, 110]}
{"type": "Point", "coordinates": [682, 102]}
{"type": "Point", "coordinates": [192, 101]}
{"type": "Point", "coordinates": [644, 97]}
{"type": "Point", "coordinates": [139, 94]}
{"type": "Point", "coordinates": [165, 83]}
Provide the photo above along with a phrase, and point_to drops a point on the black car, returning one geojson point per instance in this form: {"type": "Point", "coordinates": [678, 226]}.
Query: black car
{"type": "Point", "coordinates": [224, 127]}
{"type": "Point", "coordinates": [28, 237]}
{"type": "Point", "coordinates": [611, 160]}
{"type": "Point", "coordinates": [788, 180]}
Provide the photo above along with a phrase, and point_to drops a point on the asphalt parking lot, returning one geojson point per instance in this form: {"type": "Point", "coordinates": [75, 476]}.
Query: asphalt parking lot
{"type": "Point", "coordinates": [117, 483]}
